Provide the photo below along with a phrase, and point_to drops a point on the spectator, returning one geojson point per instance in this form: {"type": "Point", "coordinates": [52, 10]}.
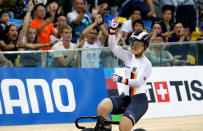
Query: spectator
{"type": "Point", "coordinates": [127, 26]}
{"type": "Point", "coordinates": [180, 34]}
{"type": "Point", "coordinates": [78, 18]}
{"type": "Point", "coordinates": [20, 9]}
{"type": "Point", "coordinates": [130, 5]}
{"type": "Point", "coordinates": [103, 10]}
{"type": "Point", "coordinates": [155, 29]}
{"type": "Point", "coordinates": [60, 23]}
{"type": "Point", "coordinates": [9, 42]}
{"type": "Point", "coordinates": [113, 5]}
{"type": "Point", "coordinates": [28, 36]}
{"type": "Point", "coordinates": [4, 20]}
{"type": "Point", "coordinates": [53, 9]}
{"type": "Point", "coordinates": [44, 28]}
{"type": "Point", "coordinates": [95, 39]}
{"type": "Point", "coordinates": [166, 23]}
{"type": "Point", "coordinates": [138, 25]}
{"type": "Point", "coordinates": [169, 4]}
{"type": "Point", "coordinates": [159, 56]}
{"type": "Point", "coordinates": [10, 7]}
{"type": "Point", "coordinates": [64, 58]}
{"type": "Point", "coordinates": [186, 14]}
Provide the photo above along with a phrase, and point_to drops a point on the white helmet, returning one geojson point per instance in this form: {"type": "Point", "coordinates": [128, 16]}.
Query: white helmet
{"type": "Point", "coordinates": [141, 36]}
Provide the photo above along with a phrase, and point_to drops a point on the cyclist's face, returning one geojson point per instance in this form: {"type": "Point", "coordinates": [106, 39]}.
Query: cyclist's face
{"type": "Point", "coordinates": [137, 47]}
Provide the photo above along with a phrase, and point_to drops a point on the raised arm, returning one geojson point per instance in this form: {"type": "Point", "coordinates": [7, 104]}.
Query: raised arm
{"type": "Point", "coordinates": [87, 30]}
{"type": "Point", "coordinates": [26, 22]}
{"type": "Point", "coordinates": [152, 8]}
{"type": "Point", "coordinates": [118, 51]}
{"type": "Point", "coordinates": [47, 21]}
{"type": "Point", "coordinates": [103, 35]}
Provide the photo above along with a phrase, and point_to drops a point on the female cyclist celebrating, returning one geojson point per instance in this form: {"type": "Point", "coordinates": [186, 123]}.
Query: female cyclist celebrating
{"type": "Point", "coordinates": [132, 103]}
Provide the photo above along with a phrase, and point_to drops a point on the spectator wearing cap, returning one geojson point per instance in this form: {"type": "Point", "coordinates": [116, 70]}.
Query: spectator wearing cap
{"type": "Point", "coordinates": [78, 19]}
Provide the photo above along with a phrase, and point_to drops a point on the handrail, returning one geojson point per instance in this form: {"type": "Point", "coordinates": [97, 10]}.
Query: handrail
{"type": "Point", "coordinates": [102, 48]}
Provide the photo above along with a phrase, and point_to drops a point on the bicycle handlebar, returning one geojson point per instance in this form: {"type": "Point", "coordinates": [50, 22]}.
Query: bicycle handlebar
{"type": "Point", "coordinates": [100, 121]}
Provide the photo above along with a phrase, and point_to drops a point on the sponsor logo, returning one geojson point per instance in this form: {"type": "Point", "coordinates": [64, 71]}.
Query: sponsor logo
{"type": "Point", "coordinates": [8, 102]}
{"type": "Point", "coordinates": [184, 91]}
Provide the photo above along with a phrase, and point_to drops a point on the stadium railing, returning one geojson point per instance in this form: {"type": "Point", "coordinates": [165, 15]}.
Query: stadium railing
{"type": "Point", "coordinates": [190, 53]}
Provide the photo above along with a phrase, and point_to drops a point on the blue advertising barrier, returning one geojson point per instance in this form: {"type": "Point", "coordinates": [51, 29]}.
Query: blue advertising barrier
{"type": "Point", "coordinates": [49, 95]}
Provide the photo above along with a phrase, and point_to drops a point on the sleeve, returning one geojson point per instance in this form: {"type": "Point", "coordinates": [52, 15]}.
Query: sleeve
{"type": "Point", "coordinates": [51, 27]}
{"type": "Point", "coordinates": [118, 51]}
{"type": "Point", "coordinates": [57, 53]}
{"type": "Point", "coordinates": [124, 27]}
{"type": "Point", "coordinates": [157, 60]}
{"type": "Point", "coordinates": [143, 75]}
{"type": "Point", "coordinates": [33, 24]}
{"type": "Point", "coordinates": [71, 17]}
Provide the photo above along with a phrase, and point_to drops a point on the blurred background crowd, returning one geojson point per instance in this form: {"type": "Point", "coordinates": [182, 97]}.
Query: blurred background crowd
{"type": "Point", "coordinates": [175, 27]}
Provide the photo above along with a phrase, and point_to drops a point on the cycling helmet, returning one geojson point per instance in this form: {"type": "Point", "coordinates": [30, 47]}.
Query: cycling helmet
{"type": "Point", "coordinates": [141, 36]}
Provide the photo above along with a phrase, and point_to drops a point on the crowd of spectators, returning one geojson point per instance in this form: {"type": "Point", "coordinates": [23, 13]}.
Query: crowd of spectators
{"type": "Point", "coordinates": [48, 26]}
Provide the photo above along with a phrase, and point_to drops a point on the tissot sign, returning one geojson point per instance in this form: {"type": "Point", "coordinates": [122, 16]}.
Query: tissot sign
{"type": "Point", "coordinates": [185, 91]}
{"type": "Point", "coordinates": [175, 91]}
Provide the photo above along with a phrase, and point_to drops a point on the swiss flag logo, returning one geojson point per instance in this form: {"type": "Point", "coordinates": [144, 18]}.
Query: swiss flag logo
{"type": "Point", "coordinates": [162, 91]}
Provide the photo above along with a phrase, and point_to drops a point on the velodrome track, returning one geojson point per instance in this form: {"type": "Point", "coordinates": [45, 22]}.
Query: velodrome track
{"type": "Point", "coordinates": [187, 123]}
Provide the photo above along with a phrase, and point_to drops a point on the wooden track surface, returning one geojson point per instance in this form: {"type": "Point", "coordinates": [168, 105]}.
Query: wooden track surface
{"type": "Point", "coordinates": [189, 123]}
